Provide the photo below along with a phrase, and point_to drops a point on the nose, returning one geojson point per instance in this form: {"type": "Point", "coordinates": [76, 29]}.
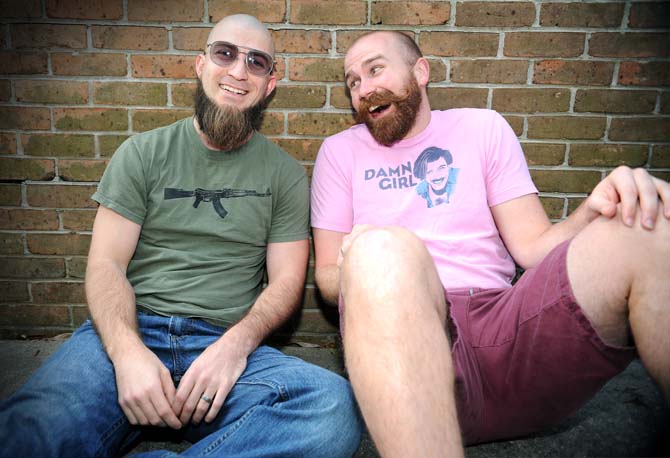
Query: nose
{"type": "Point", "coordinates": [238, 69]}
{"type": "Point", "coordinates": [364, 88]}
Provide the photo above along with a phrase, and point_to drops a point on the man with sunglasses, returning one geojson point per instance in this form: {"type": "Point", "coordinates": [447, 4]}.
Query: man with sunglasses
{"type": "Point", "coordinates": [441, 348]}
{"type": "Point", "coordinates": [189, 216]}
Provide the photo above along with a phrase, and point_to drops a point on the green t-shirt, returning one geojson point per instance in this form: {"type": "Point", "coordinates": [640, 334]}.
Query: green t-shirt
{"type": "Point", "coordinates": [206, 262]}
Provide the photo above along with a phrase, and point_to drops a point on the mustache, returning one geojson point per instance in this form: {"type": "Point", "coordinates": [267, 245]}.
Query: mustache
{"type": "Point", "coordinates": [380, 97]}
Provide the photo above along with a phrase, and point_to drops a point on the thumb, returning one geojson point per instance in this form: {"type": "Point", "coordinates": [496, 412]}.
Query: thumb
{"type": "Point", "coordinates": [168, 386]}
{"type": "Point", "coordinates": [601, 205]}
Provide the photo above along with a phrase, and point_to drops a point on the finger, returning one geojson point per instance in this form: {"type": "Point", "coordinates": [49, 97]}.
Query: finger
{"type": "Point", "coordinates": [190, 404]}
{"type": "Point", "coordinates": [150, 412]}
{"type": "Point", "coordinates": [202, 407]}
{"type": "Point", "coordinates": [128, 412]}
{"type": "Point", "coordinates": [648, 197]}
{"type": "Point", "coordinates": [163, 404]}
{"type": "Point", "coordinates": [663, 189]}
{"type": "Point", "coordinates": [183, 392]}
{"type": "Point", "coordinates": [217, 404]}
{"type": "Point", "coordinates": [625, 186]}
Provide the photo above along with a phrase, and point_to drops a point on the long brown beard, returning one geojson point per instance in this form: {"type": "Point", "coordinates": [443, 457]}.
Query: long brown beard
{"type": "Point", "coordinates": [225, 126]}
{"type": "Point", "coordinates": [391, 128]}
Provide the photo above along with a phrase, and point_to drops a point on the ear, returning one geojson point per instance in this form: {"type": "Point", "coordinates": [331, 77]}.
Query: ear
{"type": "Point", "coordinates": [199, 64]}
{"type": "Point", "coordinates": [421, 71]}
{"type": "Point", "coordinates": [272, 82]}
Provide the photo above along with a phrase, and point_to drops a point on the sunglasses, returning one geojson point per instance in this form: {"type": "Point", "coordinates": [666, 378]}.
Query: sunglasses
{"type": "Point", "coordinates": [225, 54]}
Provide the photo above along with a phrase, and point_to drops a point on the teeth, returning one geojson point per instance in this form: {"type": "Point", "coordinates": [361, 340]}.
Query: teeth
{"type": "Point", "coordinates": [233, 89]}
{"type": "Point", "coordinates": [373, 108]}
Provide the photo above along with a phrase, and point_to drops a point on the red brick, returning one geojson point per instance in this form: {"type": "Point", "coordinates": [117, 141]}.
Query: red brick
{"type": "Point", "coordinates": [144, 120]}
{"type": "Point", "coordinates": [644, 74]}
{"type": "Point", "coordinates": [649, 15]}
{"type": "Point", "coordinates": [85, 9]}
{"type": "Point", "coordinates": [544, 153]}
{"type": "Point", "coordinates": [665, 102]}
{"type": "Point", "coordinates": [190, 38]}
{"type": "Point", "coordinates": [531, 100]}
{"type": "Point", "coordinates": [21, 267]}
{"type": "Point", "coordinates": [79, 315]}
{"type": "Point", "coordinates": [61, 196]}
{"type": "Point", "coordinates": [12, 169]}
{"type": "Point", "coordinates": [90, 119]}
{"type": "Point", "coordinates": [608, 155]}
{"type": "Point", "coordinates": [124, 93]}
{"type": "Point", "coordinates": [629, 45]}
{"type": "Point", "coordinates": [27, 219]}
{"type": "Point", "coordinates": [553, 206]}
{"type": "Point", "coordinates": [566, 127]}
{"type": "Point", "coordinates": [23, 63]}
{"type": "Point", "coordinates": [438, 70]}
{"type": "Point", "coordinates": [10, 195]}
{"type": "Point", "coordinates": [463, 44]}
{"type": "Point", "coordinates": [81, 170]}
{"type": "Point", "coordinates": [109, 143]}
{"type": "Point", "coordinates": [573, 203]}
{"type": "Point", "coordinates": [273, 123]}
{"type": "Point", "coordinates": [183, 94]}
{"type": "Point", "coordinates": [410, 12]}
{"type": "Point", "coordinates": [640, 129]}
{"type": "Point", "coordinates": [163, 66]}
{"type": "Point", "coordinates": [11, 244]}
{"type": "Point", "coordinates": [564, 180]}
{"type": "Point", "coordinates": [444, 98]}
{"type": "Point", "coordinates": [48, 35]}
{"type": "Point", "coordinates": [344, 12]}
{"type": "Point", "coordinates": [292, 96]}
{"type": "Point", "coordinates": [76, 267]}
{"type": "Point", "coordinates": [34, 315]}
{"type": "Point", "coordinates": [493, 14]}
{"type": "Point", "coordinates": [5, 90]}
{"type": "Point", "coordinates": [489, 71]}
{"type": "Point", "coordinates": [573, 72]}
{"type": "Point", "coordinates": [62, 145]}
{"type": "Point", "coordinates": [24, 118]}
{"type": "Point", "coordinates": [89, 64]}
{"type": "Point", "coordinates": [316, 69]}
{"type": "Point", "coordinates": [544, 44]}
{"type": "Point", "coordinates": [58, 292]}
{"type": "Point", "coordinates": [615, 101]}
{"type": "Point", "coordinates": [302, 150]}
{"type": "Point", "coordinates": [264, 10]}
{"type": "Point", "coordinates": [7, 143]}
{"type": "Point", "coordinates": [21, 8]}
{"type": "Point", "coordinates": [167, 10]}
{"type": "Point", "coordinates": [579, 14]}
{"type": "Point", "coordinates": [660, 156]}
{"type": "Point", "coordinates": [318, 124]}
{"type": "Point", "coordinates": [516, 123]}
{"type": "Point", "coordinates": [58, 244]}
{"type": "Point", "coordinates": [78, 220]}
{"type": "Point", "coordinates": [130, 37]}
{"type": "Point", "coordinates": [52, 91]}
{"type": "Point", "coordinates": [13, 291]}
{"type": "Point", "coordinates": [345, 38]}
{"type": "Point", "coordinates": [339, 97]}
{"type": "Point", "coordinates": [301, 41]}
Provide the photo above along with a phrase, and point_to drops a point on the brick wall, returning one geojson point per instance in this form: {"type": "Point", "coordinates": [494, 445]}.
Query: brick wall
{"type": "Point", "coordinates": [585, 85]}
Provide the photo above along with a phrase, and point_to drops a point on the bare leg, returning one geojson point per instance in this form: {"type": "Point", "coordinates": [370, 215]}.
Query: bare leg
{"type": "Point", "coordinates": [621, 278]}
{"type": "Point", "coordinates": [397, 351]}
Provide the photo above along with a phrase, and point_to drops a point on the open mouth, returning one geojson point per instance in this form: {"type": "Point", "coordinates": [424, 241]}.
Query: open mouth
{"type": "Point", "coordinates": [377, 110]}
{"type": "Point", "coordinates": [232, 90]}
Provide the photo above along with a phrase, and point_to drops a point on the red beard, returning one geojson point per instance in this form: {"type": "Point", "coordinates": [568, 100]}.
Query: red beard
{"type": "Point", "coordinates": [392, 127]}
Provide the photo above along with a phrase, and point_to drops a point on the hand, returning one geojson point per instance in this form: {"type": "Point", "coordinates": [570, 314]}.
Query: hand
{"type": "Point", "coordinates": [212, 374]}
{"type": "Point", "coordinates": [628, 187]}
{"type": "Point", "coordinates": [145, 389]}
{"type": "Point", "coordinates": [349, 239]}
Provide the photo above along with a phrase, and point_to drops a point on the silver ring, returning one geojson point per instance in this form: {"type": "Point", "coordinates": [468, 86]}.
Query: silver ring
{"type": "Point", "coordinates": [206, 398]}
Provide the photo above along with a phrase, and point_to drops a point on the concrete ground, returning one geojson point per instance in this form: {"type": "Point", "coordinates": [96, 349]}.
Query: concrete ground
{"type": "Point", "coordinates": [627, 418]}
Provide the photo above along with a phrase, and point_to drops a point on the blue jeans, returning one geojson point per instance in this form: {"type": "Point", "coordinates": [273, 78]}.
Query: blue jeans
{"type": "Point", "coordinates": [281, 406]}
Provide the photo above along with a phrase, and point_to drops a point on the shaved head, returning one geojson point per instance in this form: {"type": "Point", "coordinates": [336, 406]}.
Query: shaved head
{"type": "Point", "coordinates": [251, 27]}
{"type": "Point", "coordinates": [405, 44]}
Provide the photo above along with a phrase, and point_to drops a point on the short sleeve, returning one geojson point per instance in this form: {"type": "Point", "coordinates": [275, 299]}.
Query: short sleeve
{"type": "Point", "coordinates": [290, 215]}
{"type": "Point", "coordinates": [332, 199]}
{"type": "Point", "coordinates": [507, 175]}
{"type": "Point", "coordinates": [123, 186]}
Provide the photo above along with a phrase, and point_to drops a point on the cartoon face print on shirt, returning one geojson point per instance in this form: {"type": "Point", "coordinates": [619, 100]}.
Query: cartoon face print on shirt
{"type": "Point", "coordinates": [438, 179]}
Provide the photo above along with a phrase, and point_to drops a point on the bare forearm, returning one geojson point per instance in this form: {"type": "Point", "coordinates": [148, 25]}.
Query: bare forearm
{"type": "Point", "coordinates": [111, 302]}
{"type": "Point", "coordinates": [278, 301]}
{"type": "Point", "coordinates": [328, 282]}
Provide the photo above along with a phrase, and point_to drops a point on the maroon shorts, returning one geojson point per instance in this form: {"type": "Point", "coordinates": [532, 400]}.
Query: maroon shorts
{"type": "Point", "coordinates": [526, 357]}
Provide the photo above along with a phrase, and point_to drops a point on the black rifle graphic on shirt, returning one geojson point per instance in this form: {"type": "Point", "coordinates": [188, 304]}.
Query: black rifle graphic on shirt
{"type": "Point", "coordinates": [205, 195]}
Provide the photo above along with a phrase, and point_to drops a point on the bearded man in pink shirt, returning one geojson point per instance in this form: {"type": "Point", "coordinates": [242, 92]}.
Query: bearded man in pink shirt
{"type": "Point", "coordinates": [441, 348]}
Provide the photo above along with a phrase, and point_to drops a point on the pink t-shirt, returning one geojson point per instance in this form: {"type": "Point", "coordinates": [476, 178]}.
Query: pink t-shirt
{"type": "Point", "coordinates": [438, 184]}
